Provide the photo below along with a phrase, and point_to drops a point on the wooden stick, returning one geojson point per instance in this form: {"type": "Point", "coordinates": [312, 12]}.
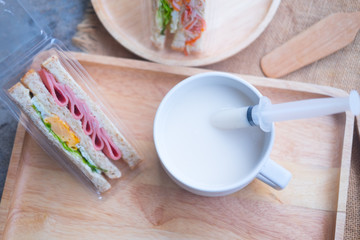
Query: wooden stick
{"type": "Point", "coordinates": [320, 40]}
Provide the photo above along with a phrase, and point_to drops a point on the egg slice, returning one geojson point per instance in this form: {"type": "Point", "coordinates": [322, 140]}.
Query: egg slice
{"type": "Point", "coordinates": [63, 131]}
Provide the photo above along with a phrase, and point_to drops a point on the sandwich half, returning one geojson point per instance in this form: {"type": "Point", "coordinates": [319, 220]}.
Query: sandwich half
{"type": "Point", "coordinates": [73, 123]}
{"type": "Point", "coordinates": [184, 19]}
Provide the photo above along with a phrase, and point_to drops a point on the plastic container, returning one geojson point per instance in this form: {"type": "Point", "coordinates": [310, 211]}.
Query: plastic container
{"type": "Point", "coordinates": [26, 50]}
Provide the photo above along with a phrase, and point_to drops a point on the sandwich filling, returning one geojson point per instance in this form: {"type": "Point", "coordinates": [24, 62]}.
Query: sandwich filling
{"type": "Point", "coordinates": [193, 22]}
{"type": "Point", "coordinates": [62, 132]}
{"type": "Point", "coordinates": [163, 15]}
{"type": "Point", "coordinates": [64, 96]}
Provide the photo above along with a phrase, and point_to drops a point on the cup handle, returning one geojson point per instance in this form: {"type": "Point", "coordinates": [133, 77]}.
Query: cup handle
{"type": "Point", "coordinates": [274, 175]}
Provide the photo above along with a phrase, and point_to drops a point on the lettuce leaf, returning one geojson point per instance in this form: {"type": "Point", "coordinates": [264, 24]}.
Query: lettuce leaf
{"type": "Point", "coordinates": [163, 15]}
{"type": "Point", "coordinates": [67, 148]}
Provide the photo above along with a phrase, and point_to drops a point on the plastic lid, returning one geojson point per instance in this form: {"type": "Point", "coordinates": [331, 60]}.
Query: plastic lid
{"type": "Point", "coordinates": [19, 34]}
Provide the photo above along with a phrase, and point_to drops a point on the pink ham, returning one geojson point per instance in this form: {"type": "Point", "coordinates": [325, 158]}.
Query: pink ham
{"type": "Point", "coordinates": [56, 90]}
{"type": "Point", "coordinates": [110, 149]}
{"type": "Point", "coordinates": [64, 96]}
{"type": "Point", "coordinates": [74, 104]}
{"type": "Point", "coordinates": [86, 120]}
{"type": "Point", "coordinates": [101, 141]}
{"type": "Point", "coordinates": [96, 137]}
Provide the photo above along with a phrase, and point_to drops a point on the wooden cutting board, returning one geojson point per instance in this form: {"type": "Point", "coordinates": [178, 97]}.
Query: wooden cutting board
{"type": "Point", "coordinates": [42, 201]}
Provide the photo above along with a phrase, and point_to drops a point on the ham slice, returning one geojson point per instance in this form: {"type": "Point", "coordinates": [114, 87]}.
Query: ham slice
{"type": "Point", "coordinates": [64, 96]}
{"type": "Point", "coordinates": [74, 104]}
{"type": "Point", "coordinates": [55, 89]}
{"type": "Point", "coordinates": [96, 137]}
{"type": "Point", "coordinates": [110, 149]}
{"type": "Point", "coordinates": [86, 120]}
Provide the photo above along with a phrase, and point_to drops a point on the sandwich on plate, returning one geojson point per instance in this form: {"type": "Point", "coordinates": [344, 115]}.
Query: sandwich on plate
{"type": "Point", "coordinates": [184, 19]}
{"type": "Point", "coordinates": [73, 123]}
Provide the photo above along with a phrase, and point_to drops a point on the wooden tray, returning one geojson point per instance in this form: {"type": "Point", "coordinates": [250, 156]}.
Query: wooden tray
{"type": "Point", "coordinates": [42, 201]}
{"type": "Point", "coordinates": [231, 26]}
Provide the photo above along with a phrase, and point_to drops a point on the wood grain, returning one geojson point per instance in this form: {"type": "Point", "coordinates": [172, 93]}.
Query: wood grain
{"type": "Point", "coordinates": [231, 26]}
{"type": "Point", "coordinates": [42, 201]}
{"type": "Point", "coordinates": [11, 176]}
{"type": "Point", "coordinates": [320, 40]}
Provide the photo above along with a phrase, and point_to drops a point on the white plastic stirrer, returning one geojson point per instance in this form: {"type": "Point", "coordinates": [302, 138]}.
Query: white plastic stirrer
{"type": "Point", "coordinates": [265, 113]}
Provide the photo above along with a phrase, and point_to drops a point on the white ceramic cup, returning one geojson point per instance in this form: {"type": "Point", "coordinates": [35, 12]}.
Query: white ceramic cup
{"type": "Point", "coordinates": [203, 159]}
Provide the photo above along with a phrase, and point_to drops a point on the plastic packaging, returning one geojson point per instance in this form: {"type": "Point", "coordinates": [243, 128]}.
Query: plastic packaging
{"type": "Point", "coordinates": [26, 50]}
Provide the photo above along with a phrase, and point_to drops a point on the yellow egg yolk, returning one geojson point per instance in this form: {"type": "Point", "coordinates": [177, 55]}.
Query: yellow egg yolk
{"type": "Point", "coordinates": [63, 131]}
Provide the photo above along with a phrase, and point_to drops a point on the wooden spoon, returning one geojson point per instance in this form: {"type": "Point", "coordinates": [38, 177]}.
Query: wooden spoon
{"type": "Point", "coordinates": [323, 38]}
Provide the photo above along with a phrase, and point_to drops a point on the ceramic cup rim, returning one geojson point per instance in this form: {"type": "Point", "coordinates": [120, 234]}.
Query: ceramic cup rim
{"type": "Point", "coordinates": [206, 189]}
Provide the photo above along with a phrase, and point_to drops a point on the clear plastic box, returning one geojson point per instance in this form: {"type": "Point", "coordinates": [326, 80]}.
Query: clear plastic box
{"type": "Point", "coordinates": [27, 49]}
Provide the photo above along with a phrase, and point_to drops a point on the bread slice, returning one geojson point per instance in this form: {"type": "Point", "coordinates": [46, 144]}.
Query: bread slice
{"type": "Point", "coordinates": [129, 154]}
{"type": "Point", "coordinates": [178, 43]}
{"type": "Point", "coordinates": [33, 81]}
{"type": "Point", "coordinates": [21, 96]}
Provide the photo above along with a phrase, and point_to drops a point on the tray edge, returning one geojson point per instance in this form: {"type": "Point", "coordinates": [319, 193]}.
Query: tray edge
{"type": "Point", "coordinates": [10, 182]}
